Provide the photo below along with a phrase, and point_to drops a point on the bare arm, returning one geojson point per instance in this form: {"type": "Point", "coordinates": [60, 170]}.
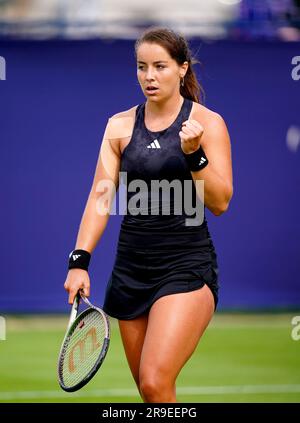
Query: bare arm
{"type": "Point", "coordinates": [104, 187]}
{"type": "Point", "coordinates": [217, 175]}
{"type": "Point", "coordinates": [100, 199]}
{"type": "Point", "coordinates": [96, 213]}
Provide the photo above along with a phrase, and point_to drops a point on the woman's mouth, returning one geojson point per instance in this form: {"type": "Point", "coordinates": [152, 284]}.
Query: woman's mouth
{"type": "Point", "coordinates": [151, 90]}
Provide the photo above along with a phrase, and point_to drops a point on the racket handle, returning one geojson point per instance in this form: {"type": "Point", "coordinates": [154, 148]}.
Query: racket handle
{"type": "Point", "coordinates": [74, 310]}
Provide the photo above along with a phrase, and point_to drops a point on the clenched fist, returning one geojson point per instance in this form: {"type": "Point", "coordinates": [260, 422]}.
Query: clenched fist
{"type": "Point", "coordinates": [190, 136]}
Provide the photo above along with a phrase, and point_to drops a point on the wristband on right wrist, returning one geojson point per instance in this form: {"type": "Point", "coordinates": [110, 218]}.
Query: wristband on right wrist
{"type": "Point", "coordinates": [79, 259]}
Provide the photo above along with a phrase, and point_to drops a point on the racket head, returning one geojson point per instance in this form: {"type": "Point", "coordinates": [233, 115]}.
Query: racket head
{"type": "Point", "coordinates": [83, 349]}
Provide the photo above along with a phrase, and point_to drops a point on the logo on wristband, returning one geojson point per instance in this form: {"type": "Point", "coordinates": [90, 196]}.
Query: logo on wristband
{"type": "Point", "coordinates": [79, 259]}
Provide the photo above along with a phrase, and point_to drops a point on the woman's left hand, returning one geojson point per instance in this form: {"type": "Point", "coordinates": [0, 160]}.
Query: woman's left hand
{"type": "Point", "coordinates": [190, 136]}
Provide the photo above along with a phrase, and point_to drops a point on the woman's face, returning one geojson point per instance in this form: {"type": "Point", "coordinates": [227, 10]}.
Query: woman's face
{"type": "Point", "coordinates": [158, 74]}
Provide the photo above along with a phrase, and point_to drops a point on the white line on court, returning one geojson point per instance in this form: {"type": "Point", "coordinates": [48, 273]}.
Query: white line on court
{"type": "Point", "coordinates": [188, 390]}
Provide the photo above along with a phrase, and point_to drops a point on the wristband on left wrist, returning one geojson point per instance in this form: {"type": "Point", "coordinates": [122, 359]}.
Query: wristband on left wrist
{"type": "Point", "coordinates": [196, 160]}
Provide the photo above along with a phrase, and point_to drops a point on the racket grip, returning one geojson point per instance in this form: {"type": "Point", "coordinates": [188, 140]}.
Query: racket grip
{"type": "Point", "coordinates": [74, 310]}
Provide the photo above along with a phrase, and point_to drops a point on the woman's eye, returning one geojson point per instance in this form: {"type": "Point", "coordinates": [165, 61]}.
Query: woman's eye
{"type": "Point", "coordinates": [141, 67]}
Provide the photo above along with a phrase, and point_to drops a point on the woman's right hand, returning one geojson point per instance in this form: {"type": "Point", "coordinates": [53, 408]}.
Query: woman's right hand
{"type": "Point", "coordinates": [77, 279]}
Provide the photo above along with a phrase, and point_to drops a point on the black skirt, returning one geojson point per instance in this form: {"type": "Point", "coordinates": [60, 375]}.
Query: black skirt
{"type": "Point", "coordinates": [150, 265]}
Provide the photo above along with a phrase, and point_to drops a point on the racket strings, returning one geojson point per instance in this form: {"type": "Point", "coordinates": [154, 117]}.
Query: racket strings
{"type": "Point", "coordinates": [82, 348]}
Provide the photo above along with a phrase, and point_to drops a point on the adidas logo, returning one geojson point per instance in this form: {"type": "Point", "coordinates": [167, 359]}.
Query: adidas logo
{"type": "Point", "coordinates": [76, 256]}
{"type": "Point", "coordinates": [202, 160]}
{"type": "Point", "coordinates": [154, 144]}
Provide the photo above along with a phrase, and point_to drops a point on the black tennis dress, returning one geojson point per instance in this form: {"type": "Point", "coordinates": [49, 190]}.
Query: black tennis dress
{"type": "Point", "coordinates": [158, 253]}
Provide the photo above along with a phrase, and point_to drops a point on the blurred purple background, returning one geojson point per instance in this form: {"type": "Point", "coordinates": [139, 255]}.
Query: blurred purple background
{"type": "Point", "coordinates": [55, 103]}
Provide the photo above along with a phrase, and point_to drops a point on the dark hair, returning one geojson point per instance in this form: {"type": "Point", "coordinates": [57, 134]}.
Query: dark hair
{"type": "Point", "coordinates": [177, 46]}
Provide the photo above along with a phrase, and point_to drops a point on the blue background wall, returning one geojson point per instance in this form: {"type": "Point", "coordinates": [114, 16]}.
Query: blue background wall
{"type": "Point", "coordinates": [53, 109]}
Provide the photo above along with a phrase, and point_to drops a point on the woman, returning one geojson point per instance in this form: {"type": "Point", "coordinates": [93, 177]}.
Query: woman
{"type": "Point", "coordinates": [163, 288]}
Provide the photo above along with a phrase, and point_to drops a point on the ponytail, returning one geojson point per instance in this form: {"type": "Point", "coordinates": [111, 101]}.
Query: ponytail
{"type": "Point", "coordinates": [190, 87]}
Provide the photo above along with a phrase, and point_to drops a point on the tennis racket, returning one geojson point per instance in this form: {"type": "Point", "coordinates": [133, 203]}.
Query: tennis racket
{"type": "Point", "coordinates": [84, 346]}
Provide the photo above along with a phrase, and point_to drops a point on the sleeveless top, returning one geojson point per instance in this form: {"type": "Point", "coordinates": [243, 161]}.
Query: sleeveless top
{"type": "Point", "coordinates": [149, 158]}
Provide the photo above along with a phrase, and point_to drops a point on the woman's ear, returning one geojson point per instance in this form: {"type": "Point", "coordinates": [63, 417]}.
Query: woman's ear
{"type": "Point", "coordinates": [184, 68]}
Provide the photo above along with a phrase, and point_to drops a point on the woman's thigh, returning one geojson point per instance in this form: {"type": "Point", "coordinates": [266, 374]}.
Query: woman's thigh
{"type": "Point", "coordinates": [175, 325]}
{"type": "Point", "coordinates": [133, 334]}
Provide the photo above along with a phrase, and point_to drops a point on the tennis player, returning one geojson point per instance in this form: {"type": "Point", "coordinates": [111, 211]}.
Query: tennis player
{"type": "Point", "coordinates": [163, 287]}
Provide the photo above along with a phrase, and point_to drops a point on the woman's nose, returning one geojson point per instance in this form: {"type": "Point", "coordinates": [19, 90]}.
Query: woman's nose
{"type": "Point", "coordinates": [149, 74]}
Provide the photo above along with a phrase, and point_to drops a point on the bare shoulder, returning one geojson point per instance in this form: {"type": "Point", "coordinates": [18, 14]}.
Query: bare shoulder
{"type": "Point", "coordinates": [206, 116]}
{"type": "Point", "coordinates": [213, 123]}
{"type": "Point", "coordinates": [124, 114]}
{"type": "Point", "coordinates": [119, 128]}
